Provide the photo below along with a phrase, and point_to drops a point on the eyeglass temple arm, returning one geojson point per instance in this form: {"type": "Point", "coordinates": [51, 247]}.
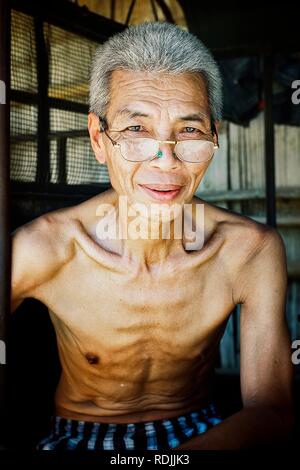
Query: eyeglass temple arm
{"type": "Point", "coordinates": [214, 131]}
{"type": "Point", "coordinates": [104, 127]}
{"type": "Point", "coordinates": [103, 124]}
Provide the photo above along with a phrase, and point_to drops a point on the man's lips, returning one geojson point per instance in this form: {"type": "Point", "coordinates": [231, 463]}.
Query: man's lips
{"type": "Point", "coordinates": [163, 192]}
{"type": "Point", "coordinates": [162, 187]}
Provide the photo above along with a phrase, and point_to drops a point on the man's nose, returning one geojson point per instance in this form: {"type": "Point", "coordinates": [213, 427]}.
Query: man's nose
{"type": "Point", "coordinates": [166, 157]}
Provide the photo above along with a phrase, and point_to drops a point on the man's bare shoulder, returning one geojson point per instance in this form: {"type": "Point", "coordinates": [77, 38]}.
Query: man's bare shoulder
{"type": "Point", "coordinates": [39, 249]}
{"type": "Point", "coordinates": [48, 240]}
{"type": "Point", "coordinates": [251, 248]}
{"type": "Point", "coordinates": [43, 246]}
{"type": "Point", "coordinates": [244, 236]}
{"type": "Point", "coordinates": [46, 234]}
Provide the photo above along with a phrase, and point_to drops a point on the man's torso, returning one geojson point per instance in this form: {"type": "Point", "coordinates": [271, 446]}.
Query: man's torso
{"type": "Point", "coordinates": [134, 343]}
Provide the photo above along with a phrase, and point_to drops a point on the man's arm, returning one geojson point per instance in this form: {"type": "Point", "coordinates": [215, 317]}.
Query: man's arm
{"type": "Point", "coordinates": [39, 249]}
{"type": "Point", "coordinates": [266, 367]}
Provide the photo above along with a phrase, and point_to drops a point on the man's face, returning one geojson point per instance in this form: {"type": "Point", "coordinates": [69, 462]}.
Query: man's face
{"type": "Point", "coordinates": [159, 105]}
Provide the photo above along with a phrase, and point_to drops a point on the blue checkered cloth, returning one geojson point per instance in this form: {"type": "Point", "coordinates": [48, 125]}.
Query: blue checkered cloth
{"type": "Point", "coordinates": [69, 434]}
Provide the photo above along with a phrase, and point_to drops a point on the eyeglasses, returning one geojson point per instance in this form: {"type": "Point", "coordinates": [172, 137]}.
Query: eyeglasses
{"type": "Point", "coordinates": [139, 149]}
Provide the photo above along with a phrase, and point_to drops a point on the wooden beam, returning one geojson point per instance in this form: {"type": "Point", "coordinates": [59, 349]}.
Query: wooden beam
{"type": "Point", "coordinates": [246, 194]}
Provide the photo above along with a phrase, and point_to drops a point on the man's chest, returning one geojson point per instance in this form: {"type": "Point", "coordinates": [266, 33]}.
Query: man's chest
{"type": "Point", "coordinates": [130, 306]}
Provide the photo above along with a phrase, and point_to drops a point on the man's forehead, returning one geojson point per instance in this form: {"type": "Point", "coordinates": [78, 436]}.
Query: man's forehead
{"type": "Point", "coordinates": [184, 114]}
{"type": "Point", "coordinates": [182, 103]}
{"type": "Point", "coordinates": [165, 86]}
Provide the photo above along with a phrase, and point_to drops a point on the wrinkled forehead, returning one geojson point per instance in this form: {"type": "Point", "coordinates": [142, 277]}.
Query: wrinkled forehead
{"type": "Point", "coordinates": [184, 93]}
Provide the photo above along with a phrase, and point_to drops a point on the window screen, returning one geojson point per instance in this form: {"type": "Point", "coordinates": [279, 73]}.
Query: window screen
{"type": "Point", "coordinates": [66, 59]}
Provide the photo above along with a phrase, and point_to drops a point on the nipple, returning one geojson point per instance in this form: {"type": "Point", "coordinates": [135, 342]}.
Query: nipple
{"type": "Point", "coordinates": [92, 358]}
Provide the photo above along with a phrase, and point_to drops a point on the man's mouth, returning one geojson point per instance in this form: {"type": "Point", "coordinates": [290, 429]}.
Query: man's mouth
{"type": "Point", "coordinates": [164, 192]}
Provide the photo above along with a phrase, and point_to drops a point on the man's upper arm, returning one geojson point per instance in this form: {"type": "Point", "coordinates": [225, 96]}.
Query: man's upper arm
{"type": "Point", "coordinates": [266, 367]}
{"type": "Point", "coordinates": [38, 251]}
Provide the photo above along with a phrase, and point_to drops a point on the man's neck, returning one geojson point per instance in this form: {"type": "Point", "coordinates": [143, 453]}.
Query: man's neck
{"type": "Point", "coordinates": [155, 242]}
{"type": "Point", "coordinates": [145, 237]}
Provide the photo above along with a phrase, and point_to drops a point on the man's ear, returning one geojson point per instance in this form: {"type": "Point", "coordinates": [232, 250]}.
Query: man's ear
{"type": "Point", "coordinates": [96, 138]}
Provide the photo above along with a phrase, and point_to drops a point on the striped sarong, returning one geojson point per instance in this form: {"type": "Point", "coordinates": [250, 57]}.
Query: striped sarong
{"type": "Point", "coordinates": [69, 434]}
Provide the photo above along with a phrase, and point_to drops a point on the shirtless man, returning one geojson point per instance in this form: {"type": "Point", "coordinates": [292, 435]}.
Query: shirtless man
{"type": "Point", "coordinates": [139, 320]}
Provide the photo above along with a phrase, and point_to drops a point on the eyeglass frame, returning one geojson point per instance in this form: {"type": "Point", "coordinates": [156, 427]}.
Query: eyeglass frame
{"type": "Point", "coordinates": [104, 128]}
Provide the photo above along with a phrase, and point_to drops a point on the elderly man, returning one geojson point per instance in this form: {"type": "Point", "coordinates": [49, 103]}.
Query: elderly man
{"type": "Point", "coordinates": [139, 310]}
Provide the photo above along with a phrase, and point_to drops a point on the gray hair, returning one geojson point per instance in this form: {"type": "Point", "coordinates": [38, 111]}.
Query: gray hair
{"type": "Point", "coordinates": [153, 47]}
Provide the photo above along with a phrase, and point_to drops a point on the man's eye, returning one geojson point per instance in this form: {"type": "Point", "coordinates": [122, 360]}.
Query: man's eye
{"type": "Point", "coordinates": [134, 128]}
{"type": "Point", "coordinates": [189, 130]}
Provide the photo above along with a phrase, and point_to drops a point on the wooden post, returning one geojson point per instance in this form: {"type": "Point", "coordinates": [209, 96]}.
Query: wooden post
{"type": "Point", "coordinates": [269, 141]}
{"type": "Point", "coordinates": [5, 252]}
